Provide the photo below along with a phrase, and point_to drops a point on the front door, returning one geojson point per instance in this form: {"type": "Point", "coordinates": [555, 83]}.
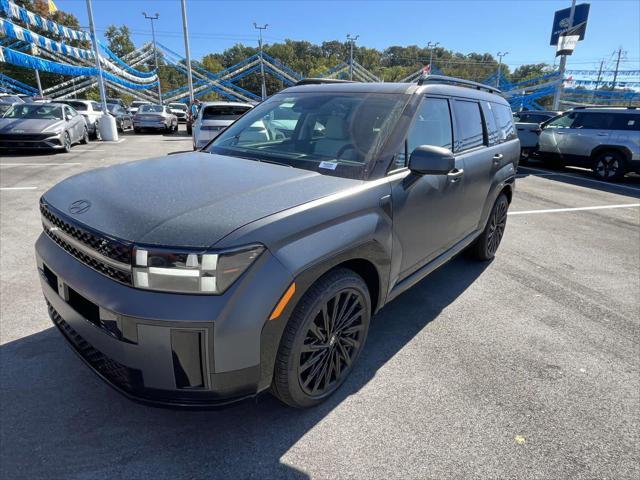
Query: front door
{"type": "Point", "coordinates": [426, 208]}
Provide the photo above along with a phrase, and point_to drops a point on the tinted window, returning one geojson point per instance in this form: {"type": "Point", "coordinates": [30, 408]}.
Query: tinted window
{"type": "Point", "coordinates": [531, 117]}
{"type": "Point", "coordinates": [223, 112]}
{"type": "Point", "coordinates": [151, 108]}
{"type": "Point", "coordinates": [80, 106]}
{"type": "Point", "coordinates": [96, 106]}
{"type": "Point", "coordinates": [490, 123]}
{"type": "Point", "coordinates": [626, 121]}
{"type": "Point", "coordinates": [504, 121]}
{"type": "Point", "coordinates": [432, 125]}
{"type": "Point", "coordinates": [590, 121]}
{"type": "Point", "coordinates": [469, 125]}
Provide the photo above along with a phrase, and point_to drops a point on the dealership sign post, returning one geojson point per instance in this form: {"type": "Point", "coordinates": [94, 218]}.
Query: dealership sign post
{"type": "Point", "coordinates": [569, 26]}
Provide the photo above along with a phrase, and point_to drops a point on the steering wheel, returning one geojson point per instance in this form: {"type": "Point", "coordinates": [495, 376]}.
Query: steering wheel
{"type": "Point", "coordinates": [348, 146]}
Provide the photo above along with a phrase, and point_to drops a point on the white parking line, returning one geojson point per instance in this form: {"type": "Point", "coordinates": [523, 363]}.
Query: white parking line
{"type": "Point", "coordinates": [576, 209]}
{"type": "Point", "coordinates": [18, 188]}
{"type": "Point", "coordinates": [37, 164]}
{"type": "Point", "coordinates": [578, 177]}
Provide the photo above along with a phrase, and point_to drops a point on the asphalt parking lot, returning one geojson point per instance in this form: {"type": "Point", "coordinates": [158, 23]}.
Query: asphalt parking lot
{"type": "Point", "coordinates": [527, 367]}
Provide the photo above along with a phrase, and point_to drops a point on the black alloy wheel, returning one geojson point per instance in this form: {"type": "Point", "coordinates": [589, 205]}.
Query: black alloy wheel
{"type": "Point", "coordinates": [332, 341]}
{"type": "Point", "coordinates": [609, 166]}
{"type": "Point", "coordinates": [322, 339]}
{"type": "Point", "coordinates": [486, 245]}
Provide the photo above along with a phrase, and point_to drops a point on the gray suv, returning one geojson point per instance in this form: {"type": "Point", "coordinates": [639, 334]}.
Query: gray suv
{"type": "Point", "coordinates": [606, 140]}
{"type": "Point", "coordinates": [256, 264]}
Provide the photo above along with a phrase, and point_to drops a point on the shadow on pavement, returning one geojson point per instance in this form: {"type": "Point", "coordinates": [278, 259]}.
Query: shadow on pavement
{"type": "Point", "coordinates": [60, 421]}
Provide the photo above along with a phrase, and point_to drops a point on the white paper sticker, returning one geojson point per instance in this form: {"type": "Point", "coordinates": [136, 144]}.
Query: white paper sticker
{"type": "Point", "coordinates": [328, 165]}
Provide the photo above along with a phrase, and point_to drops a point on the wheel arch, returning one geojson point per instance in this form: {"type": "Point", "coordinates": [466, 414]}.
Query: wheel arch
{"type": "Point", "coordinates": [608, 148]}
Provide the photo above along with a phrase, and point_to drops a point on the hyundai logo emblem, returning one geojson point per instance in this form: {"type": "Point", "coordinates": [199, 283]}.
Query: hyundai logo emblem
{"type": "Point", "coordinates": [79, 206]}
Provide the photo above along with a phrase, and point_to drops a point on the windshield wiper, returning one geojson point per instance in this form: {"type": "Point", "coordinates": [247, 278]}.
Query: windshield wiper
{"type": "Point", "coordinates": [274, 162]}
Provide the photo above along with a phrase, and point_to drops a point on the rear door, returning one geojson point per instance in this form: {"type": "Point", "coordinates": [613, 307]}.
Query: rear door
{"type": "Point", "coordinates": [588, 130]}
{"type": "Point", "coordinates": [472, 149]}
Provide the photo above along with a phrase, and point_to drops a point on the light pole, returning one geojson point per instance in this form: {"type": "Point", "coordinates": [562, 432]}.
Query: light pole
{"type": "Point", "coordinates": [563, 63]}
{"type": "Point", "coordinates": [155, 50]}
{"type": "Point", "coordinates": [500, 55]}
{"type": "Point", "coordinates": [431, 46]}
{"type": "Point", "coordinates": [263, 82]}
{"type": "Point", "coordinates": [185, 31]}
{"type": "Point", "coordinates": [352, 41]}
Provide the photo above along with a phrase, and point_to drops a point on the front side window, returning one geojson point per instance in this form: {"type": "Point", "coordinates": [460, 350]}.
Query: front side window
{"type": "Point", "coordinates": [563, 121]}
{"type": "Point", "coordinates": [469, 125]}
{"type": "Point", "coordinates": [432, 125]}
{"type": "Point", "coordinates": [332, 133]}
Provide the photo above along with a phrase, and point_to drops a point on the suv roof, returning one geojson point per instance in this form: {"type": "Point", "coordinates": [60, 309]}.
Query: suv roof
{"type": "Point", "coordinates": [432, 87]}
{"type": "Point", "coordinates": [606, 109]}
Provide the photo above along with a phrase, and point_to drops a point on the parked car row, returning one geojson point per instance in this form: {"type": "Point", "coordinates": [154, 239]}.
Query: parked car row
{"type": "Point", "coordinates": [59, 125]}
{"type": "Point", "coordinates": [604, 139]}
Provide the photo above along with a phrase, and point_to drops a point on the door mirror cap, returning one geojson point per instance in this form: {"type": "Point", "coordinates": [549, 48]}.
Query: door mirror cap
{"type": "Point", "coordinates": [431, 160]}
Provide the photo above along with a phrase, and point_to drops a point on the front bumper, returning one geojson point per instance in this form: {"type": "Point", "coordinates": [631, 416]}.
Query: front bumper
{"type": "Point", "coordinates": [16, 142]}
{"type": "Point", "coordinates": [167, 349]}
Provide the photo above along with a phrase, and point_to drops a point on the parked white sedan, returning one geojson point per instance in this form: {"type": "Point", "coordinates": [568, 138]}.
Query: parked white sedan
{"type": "Point", "coordinates": [213, 118]}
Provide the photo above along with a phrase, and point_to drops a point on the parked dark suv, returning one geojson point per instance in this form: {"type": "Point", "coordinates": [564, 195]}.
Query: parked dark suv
{"type": "Point", "coordinates": [257, 263]}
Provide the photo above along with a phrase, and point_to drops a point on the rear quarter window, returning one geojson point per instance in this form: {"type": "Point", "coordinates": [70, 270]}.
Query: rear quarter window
{"type": "Point", "coordinates": [626, 121]}
{"type": "Point", "coordinates": [504, 120]}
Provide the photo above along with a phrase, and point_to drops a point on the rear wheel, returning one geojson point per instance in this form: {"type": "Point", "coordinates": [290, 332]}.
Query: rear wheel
{"type": "Point", "coordinates": [486, 245]}
{"type": "Point", "coordinates": [609, 166]}
{"type": "Point", "coordinates": [323, 339]}
{"type": "Point", "coordinates": [85, 136]}
{"type": "Point", "coordinates": [96, 132]}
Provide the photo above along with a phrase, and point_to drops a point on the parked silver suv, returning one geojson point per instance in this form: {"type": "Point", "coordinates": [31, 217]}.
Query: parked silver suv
{"type": "Point", "coordinates": [604, 139]}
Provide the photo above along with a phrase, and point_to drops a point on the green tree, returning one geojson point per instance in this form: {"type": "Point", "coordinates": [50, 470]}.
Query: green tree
{"type": "Point", "coordinates": [119, 40]}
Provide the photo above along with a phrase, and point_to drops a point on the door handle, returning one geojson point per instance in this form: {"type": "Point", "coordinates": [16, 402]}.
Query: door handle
{"type": "Point", "coordinates": [497, 158]}
{"type": "Point", "coordinates": [455, 175]}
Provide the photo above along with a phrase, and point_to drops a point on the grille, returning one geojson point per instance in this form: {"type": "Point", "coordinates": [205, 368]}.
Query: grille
{"type": "Point", "coordinates": [24, 137]}
{"type": "Point", "coordinates": [104, 246]}
{"type": "Point", "coordinates": [128, 379]}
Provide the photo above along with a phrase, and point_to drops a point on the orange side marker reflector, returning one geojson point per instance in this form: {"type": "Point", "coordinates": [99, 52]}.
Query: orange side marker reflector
{"type": "Point", "coordinates": [283, 301]}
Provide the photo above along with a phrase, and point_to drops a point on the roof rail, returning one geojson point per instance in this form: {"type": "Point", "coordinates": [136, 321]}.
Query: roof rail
{"type": "Point", "coordinates": [319, 81]}
{"type": "Point", "coordinates": [625, 107]}
{"type": "Point", "coordinates": [456, 81]}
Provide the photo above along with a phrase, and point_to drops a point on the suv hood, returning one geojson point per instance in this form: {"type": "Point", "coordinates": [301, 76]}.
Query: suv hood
{"type": "Point", "coordinates": [189, 200]}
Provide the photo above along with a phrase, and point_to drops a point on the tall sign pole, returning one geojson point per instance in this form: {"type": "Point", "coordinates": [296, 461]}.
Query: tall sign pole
{"type": "Point", "coordinates": [352, 41]}
{"type": "Point", "coordinates": [185, 31]}
{"type": "Point", "coordinates": [94, 42]}
{"type": "Point", "coordinates": [155, 50]}
{"type": "Point", "coordinates": [263, 84]}
{"type": "Point", "coordinates": [563, 63]}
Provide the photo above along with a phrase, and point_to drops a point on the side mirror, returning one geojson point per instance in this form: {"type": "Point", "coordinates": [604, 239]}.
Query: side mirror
{"type": "Point", "coordinates": [68, 117]}
{"type": "Point", "coordinates": [431, 160]}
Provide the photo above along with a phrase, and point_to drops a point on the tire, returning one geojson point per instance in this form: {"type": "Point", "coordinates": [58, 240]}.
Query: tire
{"type": "Point", "coordinates": [609, 166]}
{"type": "Point", "coordinates": [486, 245]}
{"type": "Point", "coordinates": [66, 143]}
{"type": "Point", "coordinates": [96, 133]}
{"type": "Point", "coordinates": [311, 364]}
{"type": "Point", "coordinates": [85, 137]}
{"type": "Point", "coordinates": [189, 130]}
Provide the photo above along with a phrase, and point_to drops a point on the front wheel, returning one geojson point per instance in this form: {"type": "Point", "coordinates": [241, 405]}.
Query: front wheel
{"type": "Point", "coordinates": [322, 339]}
{"type": "Point", "coordinates": [609, 166]}
{"type": "Point", "coordinates": [486, 245]}
{"type": "Point", "coordinates": [66, 142]}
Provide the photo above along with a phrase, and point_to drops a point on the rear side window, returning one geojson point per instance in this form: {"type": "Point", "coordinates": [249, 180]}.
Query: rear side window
{"type": "Point", "coordinates": [626, 121]}
{"type": "Point", "coordinates": [592, 121]}
{"type": "Point", "coordinates": [469, 125]}
{"type": "Point", "coordinates": [223, 112]}
{"type": "Point", "coordinates": [504, 120]}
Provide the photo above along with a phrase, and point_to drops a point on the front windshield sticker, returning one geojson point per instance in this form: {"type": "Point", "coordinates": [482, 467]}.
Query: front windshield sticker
{"type": "Point", "coordinates": [328, 165]}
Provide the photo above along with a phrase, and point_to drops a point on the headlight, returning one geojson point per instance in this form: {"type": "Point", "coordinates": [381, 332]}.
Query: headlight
{"type": "Point", "coordinates": [191, 271]}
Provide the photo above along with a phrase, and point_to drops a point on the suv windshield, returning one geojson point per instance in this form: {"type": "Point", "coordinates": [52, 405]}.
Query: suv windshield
{"type": "Point", "coordinates": [41, 112]}
{"type": "Point", "coordinates": [151, 108]}
{"type": "Point", "coordinates": [223, 112]}
{"type": "Point", "coordinates": [331, 133]}
{"type": "Point", "coordinates": [178, 106]}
